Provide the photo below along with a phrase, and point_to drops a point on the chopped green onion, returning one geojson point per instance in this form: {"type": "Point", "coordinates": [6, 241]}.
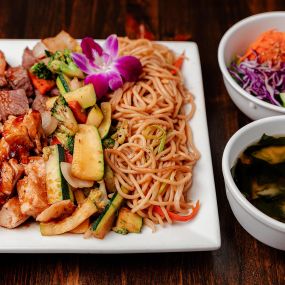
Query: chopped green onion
{"type": "Point", "coordinates": [160, 136]}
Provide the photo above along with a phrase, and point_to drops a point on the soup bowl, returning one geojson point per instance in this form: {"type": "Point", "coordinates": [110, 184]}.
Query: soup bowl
{"type": "Point", "coordinates": [235, 42]}
{"type": "Point", "coordinates": [264, 228]}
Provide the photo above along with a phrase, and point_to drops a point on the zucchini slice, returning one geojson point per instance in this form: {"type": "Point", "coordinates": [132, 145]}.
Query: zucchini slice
{"type": "Point", "coordinates": [128, 222]}
{"type": "Point", "coordinates": [85, 96]}
{"type": "Point", "coordinates": [82, 213]}
{"type": "Point", "coordinates": [88, 159]}
{"type": "Point", "coordinates": [107, 119]}
{"type": "Point", "coordinates": [64, 115]}
{"type": "Point", "coordinates": [57, 187]}
{"type": "Point", "coordinates": [109, 179]}
{"type": "Point", "coordinates": [95, 116]}
{"type": "Point", "coordinates": [103, 224]}
{"type": "Point", "coordinates": [63, 83]}
{"type": "Point", "coordinates": [66, 140]}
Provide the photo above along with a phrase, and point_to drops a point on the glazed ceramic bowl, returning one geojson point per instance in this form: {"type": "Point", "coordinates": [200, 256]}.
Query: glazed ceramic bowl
{"type": "Point", "coordinates": [234, 42]}
{"type": "Point", "coordinates": [255, 222]}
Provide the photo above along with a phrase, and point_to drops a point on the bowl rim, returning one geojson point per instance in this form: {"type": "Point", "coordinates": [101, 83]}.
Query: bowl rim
{"type": "Point", "coordinates": [229, 181]}
{"type": "Point", "coordinates": [223, 66]}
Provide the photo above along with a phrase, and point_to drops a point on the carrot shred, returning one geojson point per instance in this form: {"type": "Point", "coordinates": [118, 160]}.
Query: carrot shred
{"type": "Point", "coordinates": [177, 217]}
{"type": "Point", "coordinates": [269, 46]}
{"type": "Point", "coordinates": [178, 63]}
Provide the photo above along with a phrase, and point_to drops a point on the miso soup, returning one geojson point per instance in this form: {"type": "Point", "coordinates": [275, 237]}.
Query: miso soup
{"type": "Point", "coordinates": [259, 173]}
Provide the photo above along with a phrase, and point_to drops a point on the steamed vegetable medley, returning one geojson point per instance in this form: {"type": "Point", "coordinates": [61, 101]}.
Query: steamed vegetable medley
{"type": "Point", "coordinates": [77, 190]}
{"type": "Point", "coordinates": [259, 174]}
{"type": "Point", "coordinates": [75, 168]}
{"type": "Point", "coordinates": [261, 70]}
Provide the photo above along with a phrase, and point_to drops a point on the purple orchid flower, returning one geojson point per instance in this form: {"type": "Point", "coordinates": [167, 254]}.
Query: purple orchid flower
{"type": "Point", "coordinates": [104, 68]}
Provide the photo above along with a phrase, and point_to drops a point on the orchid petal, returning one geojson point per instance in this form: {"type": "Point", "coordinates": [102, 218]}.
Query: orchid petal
{"type": "Point", "coordinates": [87, 45]}
{"type": "Point", "coordinates": [111, 45]}
{"type": "Point", "coordinates": [106, 58]}
{"type": "Point", "coordinates": [100, 83]}
{"type": "Point", "coordinates": [115, 80]}
{"type": "Point", "coordinates": [83, 63]}
{"type": "Point", "coordinates": [129, 67]}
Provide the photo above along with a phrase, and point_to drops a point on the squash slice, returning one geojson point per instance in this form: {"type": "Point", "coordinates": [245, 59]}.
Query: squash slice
{"type": "Point", "coordinates": [88, 159]}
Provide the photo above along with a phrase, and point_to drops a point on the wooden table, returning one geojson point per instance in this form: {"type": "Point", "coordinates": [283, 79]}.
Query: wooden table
{"type": "Point", "coordinates": [241, 259]}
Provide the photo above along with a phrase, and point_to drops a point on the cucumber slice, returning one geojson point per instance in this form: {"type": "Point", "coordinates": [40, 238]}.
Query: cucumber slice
{"type": "Point", "coordinates": [107, 119]}
{"type": "Point", "coordinates": [95, 116]}
{"type": "Point", "coordinates": [85, 96]}
{"type": "Point", "coordinates": [57, 187]}
{"type": "Point", "coordinates": [88, 159]}
{"type": "Point", "coordinates": [103, 224]}
{"type": "Point", "coordinates": [63, 83]}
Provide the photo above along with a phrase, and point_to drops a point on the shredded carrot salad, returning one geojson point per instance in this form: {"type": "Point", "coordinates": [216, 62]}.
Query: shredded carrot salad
{"type": "Point", "coordinates": [269, 46]}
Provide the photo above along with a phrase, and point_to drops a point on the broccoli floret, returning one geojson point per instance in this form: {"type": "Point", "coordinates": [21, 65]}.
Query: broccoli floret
{"type": "Point", "coordinates": [64, 115]}
{"type": "Point", "coordinates": [41, 71]}
{"type": "Point", "coordinates": [66, 140]}
{"type": "Point", "coordinates": [61, 61]}
{"type": "Point", "coordinates": [108, 143]}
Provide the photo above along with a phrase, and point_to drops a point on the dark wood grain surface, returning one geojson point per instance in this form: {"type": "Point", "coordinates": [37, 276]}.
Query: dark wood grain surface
{"type": "Point", "coordinates": [241, 259]}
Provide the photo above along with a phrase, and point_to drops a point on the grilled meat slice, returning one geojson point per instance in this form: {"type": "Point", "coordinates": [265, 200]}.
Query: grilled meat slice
{"type": "Point", "coordinates": [18, 78]}
{"type": "Point", "coordinates": [32, 188]}
{"type": "Point", "coordinates": [39, 103]}
{"type": "Point", "coordinates": [3, 81]}
{"type": "Point", "coordinates": [11, 215]}
{"type": "Point", "coordinates": [28, 58]}
{"type": "Point", "coordinates": [13, 102]}
{"type": "Point", "coordinates": [11, 172]}
{"type": "Point", "coordinates": [3, 63]}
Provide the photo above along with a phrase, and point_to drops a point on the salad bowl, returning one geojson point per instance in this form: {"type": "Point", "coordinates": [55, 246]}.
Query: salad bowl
{"type": "Point", "coordinates": [235, 42]}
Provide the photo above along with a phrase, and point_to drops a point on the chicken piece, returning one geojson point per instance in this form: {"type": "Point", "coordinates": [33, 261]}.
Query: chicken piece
{"type": "Point", "coordinates": [24, 133]}
{"type": "Point", "coordinates": [3, 63]}
{"type": "Point", "coordinates": [18, 78]}
{"type": "Point", "coordinates": [15, 132]}
{"type": "Point", "coordinates": [11, 215]}
{"type": "Point", "coordinates": [13, 102]}
{"type": "Point", "coordinates": [4, 150]}
{"type": "Point", "coordinates": [32, 188]}
{"type": "Point", "coordinates": [58, 210]}
{"type": "Point", "coordinates": [33, 123]}
{"type": "Point", "coordinates": [10, 173]}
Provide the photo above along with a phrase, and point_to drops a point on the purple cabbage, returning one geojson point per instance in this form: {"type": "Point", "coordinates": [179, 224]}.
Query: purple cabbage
{"type": "Point", "coordinates": [262, 80]}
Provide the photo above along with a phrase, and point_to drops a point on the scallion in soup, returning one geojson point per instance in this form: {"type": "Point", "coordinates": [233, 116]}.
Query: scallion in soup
{"type": "Point", "coordinates": [259, 173]}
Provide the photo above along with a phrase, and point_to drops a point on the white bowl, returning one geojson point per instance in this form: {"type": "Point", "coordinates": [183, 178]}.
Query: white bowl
{"type": "Point", "coordinates": [256, 223]}
{"type": "Point", "coordinates": [235, 42]}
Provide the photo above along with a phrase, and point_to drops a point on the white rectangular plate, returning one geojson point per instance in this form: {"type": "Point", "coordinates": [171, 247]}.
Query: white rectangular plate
{"type": "Point", "coordinates": [203, 233]}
